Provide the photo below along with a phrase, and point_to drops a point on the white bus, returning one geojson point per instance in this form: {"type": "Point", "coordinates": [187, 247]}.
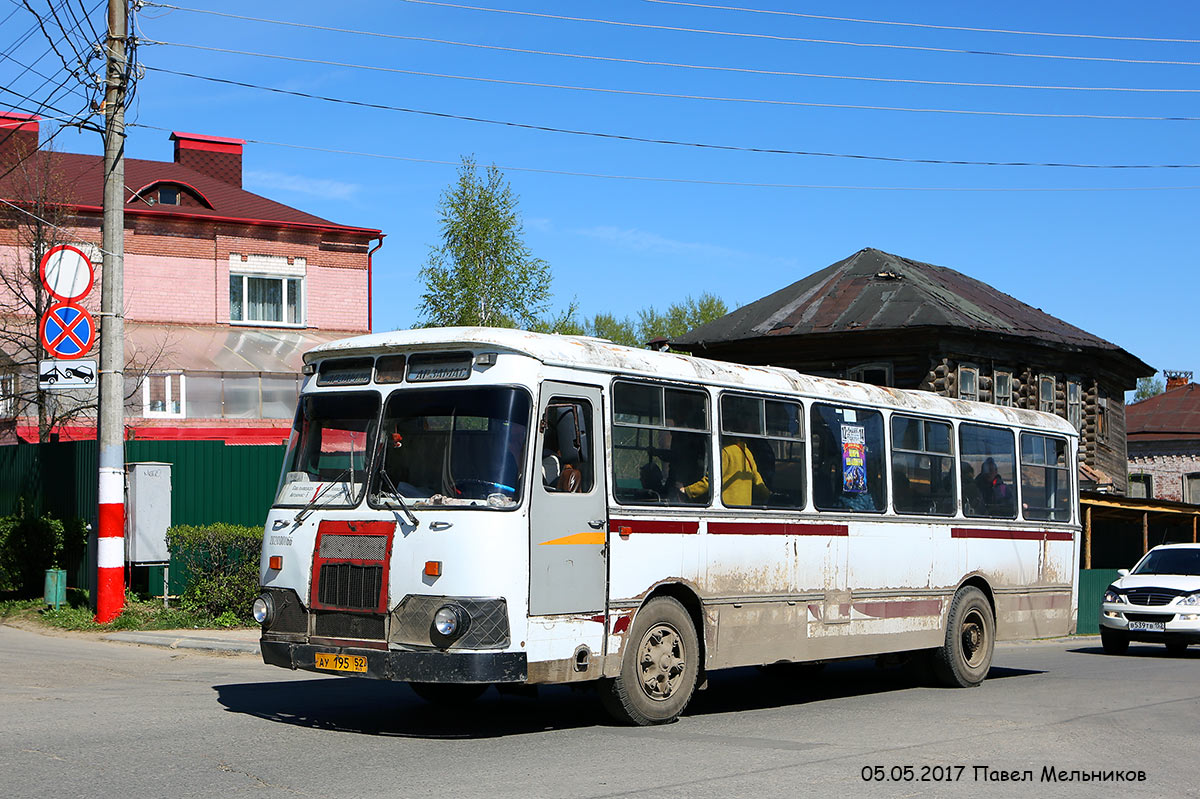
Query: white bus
{"type": "Point", "coordinates": [469, 506]}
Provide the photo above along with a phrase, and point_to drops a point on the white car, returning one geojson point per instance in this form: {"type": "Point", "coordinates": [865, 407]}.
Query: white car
{"type": "Point", "coordinates": [1157, 602]}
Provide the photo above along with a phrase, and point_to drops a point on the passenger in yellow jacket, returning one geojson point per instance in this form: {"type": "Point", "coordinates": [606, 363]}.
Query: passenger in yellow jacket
{"type": "Point", "coordinates": [741, 484]}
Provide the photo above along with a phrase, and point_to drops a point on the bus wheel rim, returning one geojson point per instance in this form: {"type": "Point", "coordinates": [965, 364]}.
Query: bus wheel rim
{"type": "Point", "coordinates": [974, 639]}
{"type": "Point", "coordinates": [661, 662]}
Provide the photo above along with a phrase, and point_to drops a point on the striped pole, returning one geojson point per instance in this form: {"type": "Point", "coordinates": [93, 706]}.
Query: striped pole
{"type": "Point", "coordinates": [110, 539]}
{"type": "Point", "coordinates": [110, 422]}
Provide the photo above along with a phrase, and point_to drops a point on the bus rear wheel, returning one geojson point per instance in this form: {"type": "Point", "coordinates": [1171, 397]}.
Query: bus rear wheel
{"type": "Point", "coordinates": [448, 694]}
{"type": "Point", "coordinates": [659, 666]}
{"type": "Point", "coordinates": [964, 660]}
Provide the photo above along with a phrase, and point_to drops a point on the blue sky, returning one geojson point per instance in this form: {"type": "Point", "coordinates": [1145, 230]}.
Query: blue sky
{"type": "Point", "coordinates": [1117, 263]}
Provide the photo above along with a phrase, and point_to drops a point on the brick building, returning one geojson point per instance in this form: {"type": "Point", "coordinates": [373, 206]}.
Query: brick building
{"type": "Point", "coordinates": [224, 289]}
{"type": "Point", "coordinates": [1164, 442]}
{"type": "Point", "coordinates": [883, 319]}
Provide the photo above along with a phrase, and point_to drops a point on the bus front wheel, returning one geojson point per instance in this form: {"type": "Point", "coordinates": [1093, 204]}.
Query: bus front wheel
{"type": "Point", "coordinates": [659, 666]}
{"type": "Point", "coordinates": [964, 660]}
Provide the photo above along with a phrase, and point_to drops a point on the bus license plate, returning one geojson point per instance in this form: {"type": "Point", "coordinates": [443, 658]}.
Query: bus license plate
{"type": "Point", "coordinates": [355, 663]}
{"type": "Point", "coordinates": [1147, 626]}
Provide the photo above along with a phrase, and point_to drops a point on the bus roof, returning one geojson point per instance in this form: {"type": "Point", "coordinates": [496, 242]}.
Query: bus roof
{"type": "Point", "coordinates": [600, 355]}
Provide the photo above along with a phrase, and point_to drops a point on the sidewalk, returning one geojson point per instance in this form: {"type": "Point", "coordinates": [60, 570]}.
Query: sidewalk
{"type": "Point", "coordinates": [236, 641]}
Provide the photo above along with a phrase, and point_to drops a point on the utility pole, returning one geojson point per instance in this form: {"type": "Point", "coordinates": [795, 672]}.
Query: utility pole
{"type": "Point", "coordinates": [110, 428]}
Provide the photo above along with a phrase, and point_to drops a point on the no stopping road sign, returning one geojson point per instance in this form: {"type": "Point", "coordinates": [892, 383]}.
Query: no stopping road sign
{"type": "Point", "coordinates": [67, 331]}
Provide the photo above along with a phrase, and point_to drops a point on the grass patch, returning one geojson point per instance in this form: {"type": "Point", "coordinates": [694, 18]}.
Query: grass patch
{"type": "Point", "coordinates": [138, 614]}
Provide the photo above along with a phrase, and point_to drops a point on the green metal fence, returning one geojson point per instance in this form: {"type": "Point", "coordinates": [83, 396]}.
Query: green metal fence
{"type": "Point", "coordinates": [1092, 583]}
{"type": "Point", "coordinates": [211, 481]}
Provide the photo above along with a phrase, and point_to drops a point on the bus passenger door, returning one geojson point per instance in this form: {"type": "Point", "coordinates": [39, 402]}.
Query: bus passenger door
{"type": "Point", "coordinates": [569, 512]}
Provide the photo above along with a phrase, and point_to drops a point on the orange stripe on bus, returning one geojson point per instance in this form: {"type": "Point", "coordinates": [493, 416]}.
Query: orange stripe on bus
{"type": "Point", "coordinates": [578, 538]}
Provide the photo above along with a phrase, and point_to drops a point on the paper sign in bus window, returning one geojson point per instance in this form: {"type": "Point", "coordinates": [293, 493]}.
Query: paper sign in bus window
{"type": "Point", "coordinates": [854, 459]}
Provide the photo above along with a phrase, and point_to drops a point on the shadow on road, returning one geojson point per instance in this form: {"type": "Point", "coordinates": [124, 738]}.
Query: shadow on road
{"type": "Point", "coordinates": [1140, 650]}
{"type": "Point", "coordinates": [372, 707]}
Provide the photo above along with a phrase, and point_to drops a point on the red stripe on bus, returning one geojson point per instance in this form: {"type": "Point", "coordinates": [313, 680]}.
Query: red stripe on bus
{"type": "Point", "coordinates": [1021, 535]}
{"type": "Point", "coordinates": [900, 608]}
{"type": "Point", "coordinates": [776, 528]}
{"type": "Point", "coordinates": [651, 526]}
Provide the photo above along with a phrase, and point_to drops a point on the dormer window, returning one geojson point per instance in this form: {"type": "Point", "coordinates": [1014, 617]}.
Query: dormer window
{"type": "Point", "coordinates": [168, 195]}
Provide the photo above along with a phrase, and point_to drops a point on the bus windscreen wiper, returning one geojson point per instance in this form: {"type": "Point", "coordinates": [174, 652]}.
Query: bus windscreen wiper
{"type": "Point", "coordinates": [391, 487]}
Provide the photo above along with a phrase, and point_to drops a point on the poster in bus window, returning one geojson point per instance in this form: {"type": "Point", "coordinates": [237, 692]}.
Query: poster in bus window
{"type": "Point", "coordinates": [854, 459]}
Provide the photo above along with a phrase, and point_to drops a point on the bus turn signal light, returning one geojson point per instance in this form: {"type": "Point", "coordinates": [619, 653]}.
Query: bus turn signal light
{"type": "Point", "coordinates": [275, 562]}
{"type": "Point", "coordinates": [433, 568]}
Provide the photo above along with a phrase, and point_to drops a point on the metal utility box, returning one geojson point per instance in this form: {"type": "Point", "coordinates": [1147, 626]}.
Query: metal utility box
{"type": "Point", "coordinates": [147, 512]}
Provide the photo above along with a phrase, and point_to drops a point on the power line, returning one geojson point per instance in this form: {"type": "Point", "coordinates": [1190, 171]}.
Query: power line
{"type": "Point", "coordinates": [672, 64]}
{"type": "Point", "coordinates": [927, 25]}
{"type": "Point", "coordinates": [703, 182]}
{"type": "Point", "coordinates": [805, 40]}
{"type": "Point", "coordinates": [668, 95]}
{"type": "Point", "coordinates": [645, 140]}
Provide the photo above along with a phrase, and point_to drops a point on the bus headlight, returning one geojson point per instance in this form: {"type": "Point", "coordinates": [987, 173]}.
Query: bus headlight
{"type": "Point", "coordinates": [449, 624]}
{"type": "Point", "coordinates": [263, 609]}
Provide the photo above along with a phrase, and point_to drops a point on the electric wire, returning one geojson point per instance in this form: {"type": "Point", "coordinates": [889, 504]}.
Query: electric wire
{"type": "Point", "coordinates": [669, 95]}
{"type": "Point", "coordinates": [704, 182]}
{"type": "Point", "coordinates": [673, 64]}
{"type": "Point", "coordinates": [800, 39]}
{"type": "Point", "coordinates": [647, 140]}
{"type": "Point", "coordinates": [926, 25]}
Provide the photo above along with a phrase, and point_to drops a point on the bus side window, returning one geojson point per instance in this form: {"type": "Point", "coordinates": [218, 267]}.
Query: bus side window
{"type": "Point", "coordinates": [567, 462]}
{"type": "Point", "coordinates": [988, 459]}
{"type": "Point", "coordinates": [661, 445]}
{"type": "Point", "coordinates": [922, 467]}
{"type": "Point", "coordinates": [848, 459]}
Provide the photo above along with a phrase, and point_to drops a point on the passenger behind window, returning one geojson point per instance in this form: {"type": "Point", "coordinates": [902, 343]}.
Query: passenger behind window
{"type": "Point", "coordinates": [992, 488]}
{"type": "Point", "coordinates": [972, 497]}
{"type": "Point", "coordinates": [741, 483]}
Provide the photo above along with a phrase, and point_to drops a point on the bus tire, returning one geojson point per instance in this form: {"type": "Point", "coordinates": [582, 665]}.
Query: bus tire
{"type": "Point", "coordinates": [448, 694]}
{"type": "Point", "coordinates": [659, 667]}
{"type": "Point", "coordinates": [1113, 641]}
{"type": "Point", "coordinates": [964, 660]}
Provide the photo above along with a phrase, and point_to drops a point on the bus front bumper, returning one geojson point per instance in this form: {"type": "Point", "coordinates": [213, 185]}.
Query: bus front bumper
{"type": "Point", "coordinates": [425, 666]}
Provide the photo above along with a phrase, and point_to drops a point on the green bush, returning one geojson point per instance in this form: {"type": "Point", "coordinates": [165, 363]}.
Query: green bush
{"type": "Point", "coordinates": [221, 564]}
{"type": "Point", "coordinates": [31, 544]}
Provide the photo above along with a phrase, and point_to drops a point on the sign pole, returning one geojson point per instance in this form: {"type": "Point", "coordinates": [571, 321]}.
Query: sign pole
{"type": "Point", "coordinates": [110, 428]}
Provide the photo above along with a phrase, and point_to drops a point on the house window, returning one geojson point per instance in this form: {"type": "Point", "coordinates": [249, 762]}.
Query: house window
{"type": "Point", "coordinates": [1101, 417]}
{"type": "Point", "coordinates": [877, 374]}
{"type": "Point", "coordinates": [1141, 486]}
{"type": "Point", "coordinates": [1002, 389]}
{"type": "Point", "coordinates": [163, 395]}
{"type": "Point", "coordinates": [168, 195]}
{"type": "Point", "coordinates": [1191, 488]}
{"type": "Point", "coordinates": [968, 383]}
{"type": "Point", "coordinates": [266, 299]}
{"type": "Point", "coordinates": [1074, 405]}
{"type": "Point", "coordinates": [8, 396]}
{"type": "Point", "coordinates": [1046, 393]}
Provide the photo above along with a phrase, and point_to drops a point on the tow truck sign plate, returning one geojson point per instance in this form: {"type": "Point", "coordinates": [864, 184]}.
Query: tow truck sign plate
{"type": "Point", "coordinates": [61, 375]}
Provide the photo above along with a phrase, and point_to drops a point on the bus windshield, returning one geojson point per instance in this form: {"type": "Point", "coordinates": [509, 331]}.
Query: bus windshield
{"type": "Point", "coordinates": [326, 459]}
{"type": "Point", "coordinates": [458, 447]}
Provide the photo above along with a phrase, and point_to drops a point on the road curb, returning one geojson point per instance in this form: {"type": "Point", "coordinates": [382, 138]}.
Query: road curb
{"type": "Point", "coordinates": [168, 641]}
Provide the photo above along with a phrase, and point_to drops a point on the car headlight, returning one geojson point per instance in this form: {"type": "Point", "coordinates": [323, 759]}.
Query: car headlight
{"type": "Point", "coordinates": [1112, 594]}
{"type": "Point", "coordinates": [263, 609]}
{"type": "Point", "coordinates": [1190, 599]}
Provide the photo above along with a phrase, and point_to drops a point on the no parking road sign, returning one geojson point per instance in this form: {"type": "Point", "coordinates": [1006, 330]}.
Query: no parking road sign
{"type": "Point", "coordinates": [67, 331]}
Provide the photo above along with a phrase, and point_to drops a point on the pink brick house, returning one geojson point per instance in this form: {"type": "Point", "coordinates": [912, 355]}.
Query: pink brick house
{"type": "Point", "coordinates": [1164, 443]}
{"type": "Point", "coordinates": [224, 289]}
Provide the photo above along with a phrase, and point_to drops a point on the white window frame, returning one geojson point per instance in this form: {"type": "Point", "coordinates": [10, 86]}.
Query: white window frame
{"type": "Point", "coordinates": [1075, 406]}
{"type": "Point", "coordinates": [1005, 399]}
{"type": "Point", "coordinates": [1041, 399]}
{"type": "Point", "coordinates": [971, 369]}
{"type": "Point", "coordinates": [857, 373]}
{"type": "Point", "coordinates": [173, 379]}
{"type": "Point", "coordinates": [8, 396]}
{"type": "Point", "coordinates": [270, 267]}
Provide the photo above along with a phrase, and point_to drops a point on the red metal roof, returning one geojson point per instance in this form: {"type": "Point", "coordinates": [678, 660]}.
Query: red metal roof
{"type": "Point", "coordinates": [80, 183]}
{"type": "Point", "coordinates": [1173, 414]}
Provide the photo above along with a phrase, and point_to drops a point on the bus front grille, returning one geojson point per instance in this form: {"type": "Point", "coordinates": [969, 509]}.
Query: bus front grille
{"type": "Point", "coordinates": [350, 586]}
{"type": "Point", "coordinates": [331, 624]}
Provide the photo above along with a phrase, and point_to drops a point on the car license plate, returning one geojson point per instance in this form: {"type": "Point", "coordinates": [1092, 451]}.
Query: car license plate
{"type": "Point", "coordinates": [355, 663]}
{"type": "Point", "coordinates": [1147, 626]}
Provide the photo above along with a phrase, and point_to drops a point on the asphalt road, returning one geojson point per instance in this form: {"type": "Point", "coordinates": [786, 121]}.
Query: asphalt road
{"type": "Point", "coordinates": [84, 717]}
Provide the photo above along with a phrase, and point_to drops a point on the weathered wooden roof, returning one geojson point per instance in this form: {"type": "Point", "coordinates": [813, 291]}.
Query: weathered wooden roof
{"type": "Point", "coordinates": [877, 291]}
